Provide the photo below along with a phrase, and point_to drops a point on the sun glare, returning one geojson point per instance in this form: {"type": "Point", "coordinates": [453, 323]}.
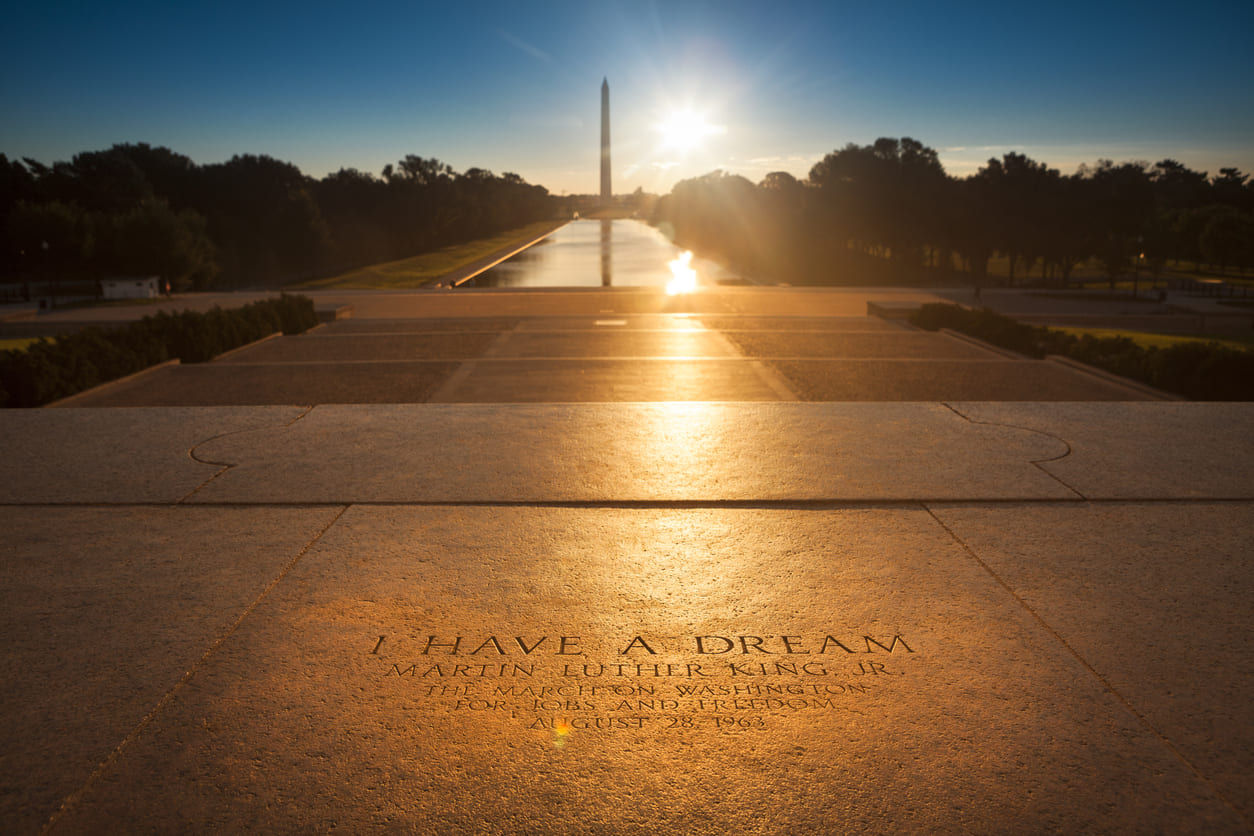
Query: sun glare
{"type": "Point", "coordinates": [685, 130]}
{"type": "Point", "coordinates": [685, 278]}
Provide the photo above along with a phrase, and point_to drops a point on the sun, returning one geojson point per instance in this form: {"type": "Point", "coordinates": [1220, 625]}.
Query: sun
{"type": "Point", "coordinates": [684, 130]}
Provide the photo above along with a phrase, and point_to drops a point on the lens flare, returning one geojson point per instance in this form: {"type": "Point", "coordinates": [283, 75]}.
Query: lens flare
{"type": "Point", "coordinates": [685, 278]}
{"type": "Point", "coordinates": [561, 731]}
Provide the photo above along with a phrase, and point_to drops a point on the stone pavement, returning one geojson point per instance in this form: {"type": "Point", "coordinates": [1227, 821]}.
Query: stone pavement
{"type": "Point", "coordinates": [613, 346]}
{"type": "Point", "coordinates": [752, 615]}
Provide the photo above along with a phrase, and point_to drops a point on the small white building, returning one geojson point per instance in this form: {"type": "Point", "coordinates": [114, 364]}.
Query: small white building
{"type": "Point", "coordinates": [148, 288]}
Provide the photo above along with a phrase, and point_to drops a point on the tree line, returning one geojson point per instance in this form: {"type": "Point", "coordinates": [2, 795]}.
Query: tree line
{"type": "Point", "coordinates": [138, 210]}
{"type": "Point", "coordinates": [888, 211]}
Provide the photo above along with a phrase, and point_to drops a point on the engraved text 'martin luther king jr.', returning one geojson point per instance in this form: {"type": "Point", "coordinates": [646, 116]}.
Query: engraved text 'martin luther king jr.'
{"type": "Point", "coordinates": [607, 194]}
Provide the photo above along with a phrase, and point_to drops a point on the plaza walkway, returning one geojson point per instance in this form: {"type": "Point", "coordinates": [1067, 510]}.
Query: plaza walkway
{"type": "Point", "coordinates": [615, 346]}
{"type": "Point", "coordinates": [610, 562]}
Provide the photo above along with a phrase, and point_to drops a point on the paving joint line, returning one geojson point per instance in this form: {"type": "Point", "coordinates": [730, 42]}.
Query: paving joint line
{"type": "Point", "coordinates": [653, 358]}
{"type": "Point", "coordinates": [1124, 701]}
{"type": "Point", "coordinates": [1039, 464]}
{"type": "Point", "coordinates": [443, 393]}
{"type": "Point", "coordinates": [657, 504]}
{"type": "Point", "coordinates": [73, 798]}
{"type": "Point", "coordinates": [777, 383]}
{"type": "Point", "coordinates": [225, 466]}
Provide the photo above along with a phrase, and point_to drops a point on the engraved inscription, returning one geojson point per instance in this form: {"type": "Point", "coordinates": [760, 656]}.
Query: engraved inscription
{"type": "Point", "coordinates": [724, 683]}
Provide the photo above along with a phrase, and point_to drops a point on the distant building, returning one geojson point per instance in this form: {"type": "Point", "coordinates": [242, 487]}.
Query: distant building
{"type": "Point", "coordinates": [147, 288]}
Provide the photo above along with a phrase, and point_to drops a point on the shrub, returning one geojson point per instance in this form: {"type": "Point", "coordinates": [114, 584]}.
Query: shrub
{"type": "Point", "coordinates": [1198, 370]}
{"type": "Point", "coordinates": [47, 371]}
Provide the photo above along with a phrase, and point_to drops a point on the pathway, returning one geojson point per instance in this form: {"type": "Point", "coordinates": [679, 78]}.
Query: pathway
{"type": "Point", "coordinates": [561, 601]}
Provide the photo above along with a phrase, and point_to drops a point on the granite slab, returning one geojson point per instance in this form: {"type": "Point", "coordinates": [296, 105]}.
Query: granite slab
{"type": "Point", "coordinates": [1156, 599]}
{"type": "Point", "coordinates": [505, 670]}
{"type": "Point", "coordinates": [1141, 450]}
{"type": "Point", "coordinates": [285, 383]}
{"type": "Point", "coordinates": [665, 452]}
{"type": "Point", "coordinates": [116, 455]}
{"type": "Point", "coordinates": [104, 612]}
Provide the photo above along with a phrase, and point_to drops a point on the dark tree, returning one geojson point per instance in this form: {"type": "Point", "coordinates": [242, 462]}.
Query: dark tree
{"type": "Point", "coordinates": [152, 239]}
{"type": "Point", "coordinates": [1229, 188]}
{"type": "Point", "coordinates": [48, 239]}
{"type": "Point", "coordinates": [1227, 240]}
{"type": "Point", "coordinates": [264, 219]}
{"type": "Point", "coordinates": [99, 181]}
{"type": "Point", "coordinates": [1123, 203]}
{"type": "Point", "coordinates": [884, 198]}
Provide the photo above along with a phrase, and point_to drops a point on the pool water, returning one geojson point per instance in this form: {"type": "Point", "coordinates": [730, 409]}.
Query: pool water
{"type": "Point", "coordinates": [605, 253]}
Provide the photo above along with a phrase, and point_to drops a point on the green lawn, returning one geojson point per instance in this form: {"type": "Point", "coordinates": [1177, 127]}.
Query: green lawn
{"type": "Point", "coordinates": [1090, 271]}
{"type": "Point", "coordinates": [415, 272]}
{"type": "Point", "coordinates": [17, 343]}
{"type": "Point", "coordinates": [1147, 340]}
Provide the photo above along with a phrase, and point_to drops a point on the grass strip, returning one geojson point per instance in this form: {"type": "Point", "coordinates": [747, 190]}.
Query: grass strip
{"type": "Point", "coordinates": [1147, 340]}
{"type": "Point", "coordinates": [410, 273]}
{"type": "Point", "coordinates": [19, 343]}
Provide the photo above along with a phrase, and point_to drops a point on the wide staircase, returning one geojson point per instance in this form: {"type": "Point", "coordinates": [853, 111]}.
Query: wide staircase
{"type": "Point", "coordinates": [614, 346]}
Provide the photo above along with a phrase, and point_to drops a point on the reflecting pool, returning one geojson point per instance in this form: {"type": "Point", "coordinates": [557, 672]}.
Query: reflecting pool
{"type": "Point", "coordinates": [620, 253]}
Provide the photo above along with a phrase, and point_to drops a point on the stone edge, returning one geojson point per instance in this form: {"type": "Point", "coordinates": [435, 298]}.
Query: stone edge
{"type": "Point", "coordinates": [247, 346]}
{"type": "Point", "coordinates": [978, 343]}
{"type": "Point", "coordinates": [1140, 388]}
{"type": "Point", "coordinates": [108, 385]}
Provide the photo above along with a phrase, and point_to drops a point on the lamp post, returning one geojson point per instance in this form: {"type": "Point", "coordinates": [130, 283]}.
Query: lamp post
{"type": "Point", "coordinates": [1136, 265]}
{"type": "Point", "coordinates": [52, 296]}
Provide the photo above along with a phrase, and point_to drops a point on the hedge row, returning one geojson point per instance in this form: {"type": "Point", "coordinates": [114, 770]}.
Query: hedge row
{"type": "Point", "coordinates": [46, 371]}
{"type": "Point", "coordinates": [1201, 371]}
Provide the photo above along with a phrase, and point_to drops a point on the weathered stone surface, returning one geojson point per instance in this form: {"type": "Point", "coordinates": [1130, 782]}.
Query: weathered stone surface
{"type": "Point", "coordinates": [597, 380]}
{"type": "Point", "coordinates": [116, 455]}
{"type": "Point", "coordinates": [103, 612]}
{"type": "Point", "coordinates": [411, 326]}
{"type": "Point", "coordinates": [801, 324]}
{"type": "Point", "coordinates": [633, 452]}
{"type": "Point", "coordinates": [238, 384]}
{"type": "Point", "coordinates": [349, 348]}
{"type": "Point", "coordinates": [909, 616]}
{"type": "Point", "coordinates": [1155, 599]}
{"type": "Point", "coordinates": [856, 345]}
{"type": "Point", "coordinates": [323, 711]}
{"type": "Point", "coordinates": [752, 301]}
{"type": "Point", "coordinates": [1141, 450]}
{"type": "Point", "coordinates": [946, 380]}
{"type": "Point", "coordinates": [616, 342]}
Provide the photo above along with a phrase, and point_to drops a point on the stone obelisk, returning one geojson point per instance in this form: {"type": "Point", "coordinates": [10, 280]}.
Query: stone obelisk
{"type": "Point", "coordinates": [607, 194]}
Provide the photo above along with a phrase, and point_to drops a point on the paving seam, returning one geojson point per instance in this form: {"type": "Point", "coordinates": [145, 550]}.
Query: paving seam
{"type": "Point", "coordinates": [766, 375]}
{"type": "Point", "coordinates": [1110, 689]}
{"type": "Point", "coordinates": [1039, 464]}
{"type": "Point", "coordinates": [624, 358]}
{"type": "Point", "coordinates": [774, 381]}
{"type": "Point", "coordinates": [661, 504]}
{"type": "Point", "coordinates": [367, 334]}
{"type": "Point", "coordinates": [978, 343]}
{"type": "Point", "coordinates": [444, 393]}
{"type": "Point", "coordinates": [225, 466]}
{"type": "Point", "coordinates": [240, 349]}
{"type": "Point", "coordinates": [602, 330]}
{"type": "Point", "coordinates": [73, 798]}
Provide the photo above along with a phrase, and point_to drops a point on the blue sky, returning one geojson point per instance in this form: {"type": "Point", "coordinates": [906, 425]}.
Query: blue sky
{"type": "Point", "coordinates": [513, 86]}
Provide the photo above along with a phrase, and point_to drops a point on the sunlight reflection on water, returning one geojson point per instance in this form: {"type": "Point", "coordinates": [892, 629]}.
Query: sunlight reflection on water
{"type": "Point", "coordinates": [622, 253]}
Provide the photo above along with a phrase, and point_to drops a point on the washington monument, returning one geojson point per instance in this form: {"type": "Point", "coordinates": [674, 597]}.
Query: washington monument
{"type": "Point", "coordinates": [607, 194]}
